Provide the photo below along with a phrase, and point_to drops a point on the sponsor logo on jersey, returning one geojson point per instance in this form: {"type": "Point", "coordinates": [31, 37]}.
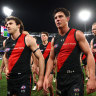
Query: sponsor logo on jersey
{"type": "Point", "coordinates": [69, 44]}
{"type": "Point", "coordinates": [19, 48]}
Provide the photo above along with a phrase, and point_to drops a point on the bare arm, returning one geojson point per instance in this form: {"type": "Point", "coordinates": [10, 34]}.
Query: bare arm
{"type": "Point", "coordinates": [90, 59]}
{"type": "Point", "coordinates": [3, 62]}
{"type": "Point", "coordinates": [49, 68]}
{"type": "Point", "coordinates": [2, 65]}
{"type": "Point", "coordinates": [86, 49]}
{"type": "Point", "coordinates": [35, 63]}
{"type": "Point", "coordinates": [1, 68]}
{"type": "Point", "coordinates": [31, 42]}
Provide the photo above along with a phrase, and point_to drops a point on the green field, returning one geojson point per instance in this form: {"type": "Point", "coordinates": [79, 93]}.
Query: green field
{"type": "Point", "coordinates": [3, 88]}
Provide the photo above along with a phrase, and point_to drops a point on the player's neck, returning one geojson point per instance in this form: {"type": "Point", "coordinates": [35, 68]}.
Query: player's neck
{"type": "Point", "coordinates": [45, 42]}
{"type": "Point", "coordinates": [15, 35]}
{"type": "Point", "coordinates": [63, 31]}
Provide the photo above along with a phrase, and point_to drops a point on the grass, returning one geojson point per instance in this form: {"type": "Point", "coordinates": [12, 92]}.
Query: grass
{"type": "Point", "coordinates": [3, 88]}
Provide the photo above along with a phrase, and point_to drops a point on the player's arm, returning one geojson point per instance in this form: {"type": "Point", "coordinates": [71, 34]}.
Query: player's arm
{"type": "Point", "coordinates": [90, 59]}
{"type": "Point", "coordinates": [31, 42]}
{"type": "Point", "coordinates": [2, 64]}
{"type": "Point", "coordinates": [1, 68]}
{"type": "Point", "coordinates": [35, 63]}
{"type": "Point", "coordinates": [49, 68]}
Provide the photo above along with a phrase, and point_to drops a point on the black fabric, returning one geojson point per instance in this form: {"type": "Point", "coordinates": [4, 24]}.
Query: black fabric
{"type": "Point", "coordinates": [20, 87]}
{"type": "Point", "coordinates": [94, 42]}
{"type": "Point", "coordinates": [70, 85]}
{"type": "Point", "coordinates": [72, 63]}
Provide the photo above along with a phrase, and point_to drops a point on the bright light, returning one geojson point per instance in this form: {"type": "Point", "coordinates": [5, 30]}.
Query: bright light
{"type": "Point", "coordinates": [7, 11]}
{"type": "Point", "coordinates": [84, 15]}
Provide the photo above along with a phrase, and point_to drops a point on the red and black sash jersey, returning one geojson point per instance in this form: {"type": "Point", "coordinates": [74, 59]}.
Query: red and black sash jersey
{"type": "Point", "coordinates": [45, 49]}
{"type": "Point", "coordinates": [67, 52]}
{"type": "Point", "coordinates": [94, 47]}
{"type": "Point", "coordinates": [18, 55]}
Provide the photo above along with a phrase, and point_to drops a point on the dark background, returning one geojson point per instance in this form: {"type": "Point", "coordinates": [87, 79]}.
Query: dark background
{"type": "Point", "coordinates": [37, 14]}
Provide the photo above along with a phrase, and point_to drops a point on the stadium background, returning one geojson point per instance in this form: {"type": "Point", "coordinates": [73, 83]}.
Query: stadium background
{"type": "Point", "coordinates": [3, 84]}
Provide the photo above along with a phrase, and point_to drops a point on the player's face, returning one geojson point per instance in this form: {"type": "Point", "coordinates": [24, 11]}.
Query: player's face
{"type": "Point", "coordinates": [12, 27]}
{"type": "Point", "coordinates": [44, 37]}
{"type": "Point", "coordinates": [94, 29]}
{"type": "Point", "coordinates": [61, 20]}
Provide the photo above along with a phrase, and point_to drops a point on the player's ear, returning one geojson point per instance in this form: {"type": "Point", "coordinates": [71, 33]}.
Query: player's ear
{"type": "Point", "coordinates": [68, 18]}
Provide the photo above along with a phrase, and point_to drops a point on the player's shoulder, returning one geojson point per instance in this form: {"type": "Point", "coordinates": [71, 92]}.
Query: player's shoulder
{"type": "Point", "coordinates": [29, 37]}
{"type": "Point", "coordinates": [79, 35]}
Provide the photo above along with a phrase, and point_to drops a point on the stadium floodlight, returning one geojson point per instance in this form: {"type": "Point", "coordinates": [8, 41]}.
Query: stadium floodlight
{"type": "Point", "coordinates": [7, 11]}
{"type": "Point", "coordinates": [84, 15]}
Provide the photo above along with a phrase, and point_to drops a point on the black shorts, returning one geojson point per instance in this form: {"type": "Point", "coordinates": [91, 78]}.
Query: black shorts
{"type": "Point", "coordinates": [70, 85]}
{"type": "Point", "coordinates": [20, 86]}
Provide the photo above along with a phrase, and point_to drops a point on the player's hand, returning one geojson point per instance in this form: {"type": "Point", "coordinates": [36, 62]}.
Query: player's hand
{"type": "Point", "coordinates": [39, 85]}
{"type": "Point", "coordinates": [45, 84]}
{"type": "Point", "coordinates": [34, 68]}
{"type": "Point", "coordinates": [91, 86]}
{"type": "Point", "coordinates": [7, 73]}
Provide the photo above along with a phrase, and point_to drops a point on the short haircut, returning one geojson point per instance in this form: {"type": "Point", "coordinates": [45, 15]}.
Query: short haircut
{"type": "Point", "coordinates": [64, 10]}
{"type": "Point", "coordinates": [17, 21]}
{"type": "Point", "coordinates": [94, 23]}
{"type": "Point", "coordinates": [35, 37]}
{"type": "Point", "coordinates": [45, 33]}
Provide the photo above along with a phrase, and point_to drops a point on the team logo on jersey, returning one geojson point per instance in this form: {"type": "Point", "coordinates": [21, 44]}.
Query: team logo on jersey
{"type": "Point", "coordinates": [7, 49]}
{"type": "Point", "coordinates": [56, 45]}
{"type": "Point", "coordinates": [23, 87]}
{"type": "Point", "coordinates": [76, 90]}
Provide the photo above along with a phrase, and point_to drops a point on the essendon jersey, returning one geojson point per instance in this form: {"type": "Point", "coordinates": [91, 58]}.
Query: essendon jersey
{"type": "Point", "coordinates": [67, 52]}
{"type": "Point", "coordinates": [94, 42]}
{"type": "Point", "coordinates": [94, 47]}
{"type": "Point", "coordinates": [45, 49]}
{"type": "Point", "coordinates": [18, 55]}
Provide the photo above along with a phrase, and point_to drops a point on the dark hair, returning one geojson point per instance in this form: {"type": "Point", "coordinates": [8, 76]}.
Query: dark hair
{"type": "Point", "coordinates": [45, 33]}
{"type": "Point", "coordinates": [17, 21]}
{"type": "Point", "coordinates": [35, 37]}
{"type": "Point", "coordinates": [65, 11]}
